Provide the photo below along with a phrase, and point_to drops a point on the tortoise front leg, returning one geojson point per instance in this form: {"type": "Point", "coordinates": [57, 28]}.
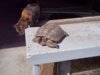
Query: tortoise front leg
{"type": "Point", "coordinates": [52, 44]}
{"type": "Point", "coordinates": [43, 42]}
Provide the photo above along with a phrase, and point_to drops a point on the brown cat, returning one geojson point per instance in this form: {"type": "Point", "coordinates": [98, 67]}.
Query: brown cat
{"type": "Point", "coordinates": [29, 17]}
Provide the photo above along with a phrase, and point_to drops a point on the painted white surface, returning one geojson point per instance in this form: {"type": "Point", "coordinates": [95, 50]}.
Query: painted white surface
{"type": "Point", "coordinates": [81, 36]}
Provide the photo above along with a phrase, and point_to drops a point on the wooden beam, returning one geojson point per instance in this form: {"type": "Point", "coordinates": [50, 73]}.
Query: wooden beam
{"type": "Point", "coordinates": [48, 69]}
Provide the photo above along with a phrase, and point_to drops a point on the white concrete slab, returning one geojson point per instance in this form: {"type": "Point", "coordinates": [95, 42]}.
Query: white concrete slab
{"type": "Point", "coordinates": [83, 37]}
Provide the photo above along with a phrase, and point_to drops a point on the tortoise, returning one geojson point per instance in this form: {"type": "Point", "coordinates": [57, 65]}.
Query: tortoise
{"type": "Point", "coordinates": [29, 17]}
{"type": "Point", "coordinates": [50, 35]}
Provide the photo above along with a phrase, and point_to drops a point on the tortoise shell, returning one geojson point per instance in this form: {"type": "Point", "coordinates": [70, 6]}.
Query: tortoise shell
{"type": "Point", "coordinates": [45, 30]}
{"type": "Point", "coordinates": [51, 32]}
{"type": "Point", "coordinates": [56, 34]}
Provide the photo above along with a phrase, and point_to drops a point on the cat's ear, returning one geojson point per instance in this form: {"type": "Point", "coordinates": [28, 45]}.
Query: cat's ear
{"type": "Point", "coordinates": [28, 5]}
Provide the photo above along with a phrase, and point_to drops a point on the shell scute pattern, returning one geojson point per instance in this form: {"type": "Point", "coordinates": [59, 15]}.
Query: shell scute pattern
{"type": "Point", "coordinates": [50, 35]}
